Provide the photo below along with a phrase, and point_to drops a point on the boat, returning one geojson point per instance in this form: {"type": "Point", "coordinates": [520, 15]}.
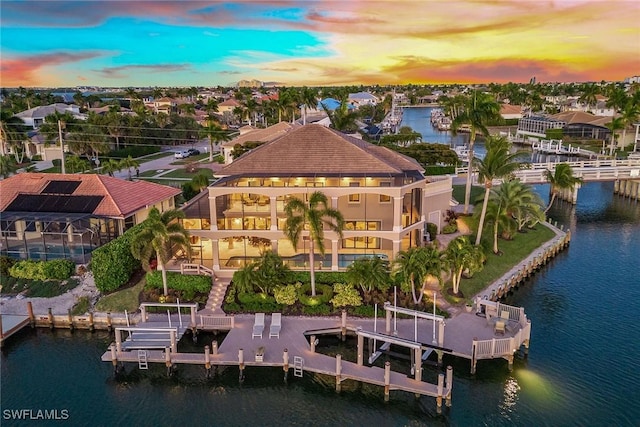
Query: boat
{"type": "Point", "coordinates": [462, 152]}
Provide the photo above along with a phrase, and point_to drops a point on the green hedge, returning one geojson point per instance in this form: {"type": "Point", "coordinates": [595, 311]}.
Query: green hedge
{"type": "Point", "coordinates": [134, 151]}
{"type": "Point", "coordinates": [57, 269]}
{"type": "Point", "coordinates": [324, 277]}
{"type": "Point", "coordinates": [188, 285]}
{"type": "Point", "coordinates": [112, 264]}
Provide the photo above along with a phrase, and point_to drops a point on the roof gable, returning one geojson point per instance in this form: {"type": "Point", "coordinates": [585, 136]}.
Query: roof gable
{"type": "Point", "coordinates": [318, 150]}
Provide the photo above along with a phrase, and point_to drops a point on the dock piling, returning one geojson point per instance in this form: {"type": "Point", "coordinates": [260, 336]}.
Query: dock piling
{"type": "Point", "coordinates": [338, 372]}
{"type": "Point", "coordinates": [167, 360]}
{"type": "Point", "coordinates": [440, 393]}
{"type": "Point", "coordinates": [207, 360]}
{"type": "Point", "coordinates": [109, 325]}
{"type": "Point", "coordinates": [285, 364]}
{"type": "Point", "coordinates": [70, 319]}
{"type": "Point", "coordinates": [449, 385]}
{"type": "Point", "coordinates": [360, 350]}
{"type": "Point", "coordinates": [91, 325]}
{"type": "Point", "coordinates": [241, 364]}
{"type": "Point", "coordinates": [32, 318]}
{"type": "Point", "coordinates": [214, 347]}
{"type": "Point", "coordinates": [1, 332]}
{"type": "Point", "coordinates": [313, 343]}
{"type": "Point", "coordinates": [114, 358]}
{"type": "Point", "coordinates": [344, 325]}
{"type": "Point", "coordinates": [387, 380]}
{"type": "Point", "coordinates": [50, 318]}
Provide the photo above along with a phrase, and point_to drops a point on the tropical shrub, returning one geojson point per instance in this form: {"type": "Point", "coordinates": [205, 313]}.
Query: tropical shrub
{"type": "Point", "coordinates": [432, 229]}
{"type": "Point", "coordinates": [187, 285]}
{"type": "Point", "coordinates": [450, 228]}
{"type": "Point", "coordinates": [247, 298]}
{"type": "Point", "coordinates": [364, 311]}
{"type": "Point", "coordinates": [346, 294]}
{"type": "Point", "coordinates": [287, 295]}
{"type": "Point", "coordinates": [317, 310]}
{"type": "Point", "coordinates": [58, 269]}
{"type": "Point", "coordinates": [325, 277]}
{"type": "Point", "coordinates": [113, 264]}
{"type": "Point", "coordinates": [5, 264]}
{"type": "Point", "coordinates": [324, 293]}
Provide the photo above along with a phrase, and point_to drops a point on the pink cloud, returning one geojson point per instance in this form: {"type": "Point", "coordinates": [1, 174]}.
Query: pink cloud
{"type": "Point", "coordinates": [24, 70]}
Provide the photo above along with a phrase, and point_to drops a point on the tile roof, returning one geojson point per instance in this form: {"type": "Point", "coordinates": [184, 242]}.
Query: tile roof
{"type": "Point", "coordinates": [121, 198]}
{"type": "Point", "coordinates": [571, 117]}
{"type": "Point", "coordinates": [316, 149]}
{"type": "Point", "coordinates": [46, 110]}
{"type": "Point", "coordinates": [262, 135]}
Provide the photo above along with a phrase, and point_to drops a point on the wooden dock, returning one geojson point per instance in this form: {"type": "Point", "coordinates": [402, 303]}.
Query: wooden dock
{"type": "Point", "coordinates": [10, 324]}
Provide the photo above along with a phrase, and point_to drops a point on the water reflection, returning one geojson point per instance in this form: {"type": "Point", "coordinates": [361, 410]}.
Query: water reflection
{"type": "Point", "coordinates": [511, 392]}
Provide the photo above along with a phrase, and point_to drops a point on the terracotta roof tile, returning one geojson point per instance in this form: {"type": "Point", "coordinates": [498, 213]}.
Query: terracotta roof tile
{"type": "Point", "coordinates": [262, 135]}
{"type": "Point", "coordinates": [121, 197]}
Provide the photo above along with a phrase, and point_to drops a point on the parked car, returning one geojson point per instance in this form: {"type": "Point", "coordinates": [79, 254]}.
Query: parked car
{"type": "Point", "coordinates": [183, 154]}
{"type": "Point", "coordinates": [193, 151]}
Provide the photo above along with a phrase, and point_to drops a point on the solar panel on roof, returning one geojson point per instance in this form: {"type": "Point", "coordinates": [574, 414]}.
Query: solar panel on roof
{"type": "Point", "coordinates": [61, 187]}
{"type": "Point", "coordinates": [54, 203]}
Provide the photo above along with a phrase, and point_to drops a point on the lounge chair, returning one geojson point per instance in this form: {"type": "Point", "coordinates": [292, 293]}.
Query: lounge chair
{"type": "Point", "coordinates": [504, 315]}
{"type": "Point", "coordinates": [258, 326]}
{"type": "Point", "coordinates": [499, 327]}
{"type": "Point", "coordinates": [276, 324]}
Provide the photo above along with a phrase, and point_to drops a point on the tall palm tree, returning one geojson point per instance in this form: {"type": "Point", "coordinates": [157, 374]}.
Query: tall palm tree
{"type": "Point", "coordinates": [498, 163]}
{"type": "Point", "coordinates": [76, 164]}
{"type": "Point", "coordinates": [459, 256]}
{"type": "Point", "coordinates": [479, 110]}
{"type": "Point", "coordinates": [498, 216]}
{"type": "Point", "coordinates": [415, 265]}
{"type": "Point", "coordinates": [216, 135]}
{"type": "Point", "coordinates": [521, 202]}
{"type": "Point", "coordinates": [160, 235]}
{"type": "Point", "coordinates": [312, 216]}
{"type": "Point", "coordinates": [309, 98]}
{"type": "Point", "coordinates": [562, 178]}
{"type": "Point", "coordinates": [589, 93]}
{"type": "Point", "coordinates": [628, 115]}
{"type": "Point", "coordinates": [614, 126]}
{"type": "Point", "coordinates": [368, 273]}
{"type": "Point", "coordinates": [129, 163]}
{"type": "Point", "coordinates": [110, 166]}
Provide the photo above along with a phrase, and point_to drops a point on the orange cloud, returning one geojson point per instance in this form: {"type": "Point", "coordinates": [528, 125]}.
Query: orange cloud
{"type": "Point", "coordinates": [24, 70]}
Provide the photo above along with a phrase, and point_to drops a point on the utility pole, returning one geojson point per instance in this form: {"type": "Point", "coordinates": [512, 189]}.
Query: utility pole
{"type": "Point", "coordinates": [62, 168]}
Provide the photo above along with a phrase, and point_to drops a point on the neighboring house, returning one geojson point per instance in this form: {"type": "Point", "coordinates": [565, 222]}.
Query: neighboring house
{"type": "Point", "coordinates": [228, 106]}
{"type": "Point", "coordinates": [359, 99]}
{"type": "Point", "coordinates": [508, 111]}
{"type": "Point", "coordinates": [248, 133]}
{"type": "Point", "coordinates": [573, 123]}
{"type": "Point", "coordinates": [46, 216]}
{"type": "Point", "coordinates": [385, 199]}
{"type": "Point", "coordinates": [34, 117]}
{"type": "Point", "coordinates": [164, 105]}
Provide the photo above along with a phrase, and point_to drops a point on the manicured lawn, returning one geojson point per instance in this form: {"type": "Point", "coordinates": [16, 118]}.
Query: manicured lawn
{"type": "Point", "coordinates": [513, 251]}
{"type": "Point", "coordinates": [150, 173]}
{"type": "Point", "coordinates": [183, 174]}
{"type": "Point", "coordinates": [126, 299]}
{"type": "Point", "coordinates": [458, 193]}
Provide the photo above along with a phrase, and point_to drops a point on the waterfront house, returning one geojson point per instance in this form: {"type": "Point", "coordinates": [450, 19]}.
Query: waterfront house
{"type": "Point", "coordinates": [45, 216]}
{"type": "Point", "coordinates": [385, 198]}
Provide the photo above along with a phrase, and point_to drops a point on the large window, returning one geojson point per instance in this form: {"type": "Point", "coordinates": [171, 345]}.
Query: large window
{"type": "Point", "coordinates": [361, 243]}
{"type": "Point", "coordinates": [354, 198]}
{"type": "Point", "coordinates": [362, 225]}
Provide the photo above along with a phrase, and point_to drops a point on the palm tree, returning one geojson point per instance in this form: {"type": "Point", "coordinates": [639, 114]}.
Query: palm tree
{"type": "Point", "coordinates": [309, 98]}
{"type": "Point", "coordinates": [459, 256]}
{"type": "Point", "coordinates": [628, 114]}
{"type": "Point", "coordinates": [129, 163]}
{"type": "Point", "coordinates": [7, 166]}
{"type": "Point", "coordinates": [588, 96]}
{"type": "Point", "coordinates": [341, 118]}
{"type": "Point", "coordinates": [562, 178]}
{"type": "Point", "coordinates": [415, 265]}
{"type": "Point", "coordinates": [76, 164]}
{"type": "Point", "coordinates": [614, 126]}
{"type": "Point", "coordinates": [479, 110]}
{"type": "Point", "coordinates": [312, 216]}
{"type": "Point", "coordinates": [520, 202]}
{"type": "Point", "coordinates": [110, 166]}
{"type": "Point", "coordinates": [368, 273]}
{"type": "Point", "coordinates": [497, 163]}
{"type": "Point", "coordinates": [216, 135]}
{"type": "Point", "coordinates": [160, 235]}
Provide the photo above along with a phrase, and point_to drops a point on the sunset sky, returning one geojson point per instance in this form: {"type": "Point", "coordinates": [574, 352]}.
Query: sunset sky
{"type": "Point", "coordinates": [188, 43]}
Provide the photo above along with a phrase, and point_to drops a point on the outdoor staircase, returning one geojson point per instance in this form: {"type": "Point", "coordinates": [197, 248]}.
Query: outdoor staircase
{"type": "Point", "coordinates": [216, 296]}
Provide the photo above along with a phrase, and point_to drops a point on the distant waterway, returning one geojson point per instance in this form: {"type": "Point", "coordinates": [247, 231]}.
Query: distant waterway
{"type": "Point", "coordinates": [582, 367]}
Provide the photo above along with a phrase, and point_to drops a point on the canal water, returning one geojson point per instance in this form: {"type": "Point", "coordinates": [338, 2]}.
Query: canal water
{"type": "Point", "coordinates": [582, 368]}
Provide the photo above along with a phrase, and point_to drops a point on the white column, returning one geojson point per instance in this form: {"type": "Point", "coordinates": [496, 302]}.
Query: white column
{"type": "Point", "coordinates": [273, 205]}
{"type": "Point", "coordinates": [213, 214]}
{"type": "Point", "coordinates": [215, 254]}
{"type": "Point", "coordinates": [334, 255]}
{"type": "Point", "coordinates": [397, 213]}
